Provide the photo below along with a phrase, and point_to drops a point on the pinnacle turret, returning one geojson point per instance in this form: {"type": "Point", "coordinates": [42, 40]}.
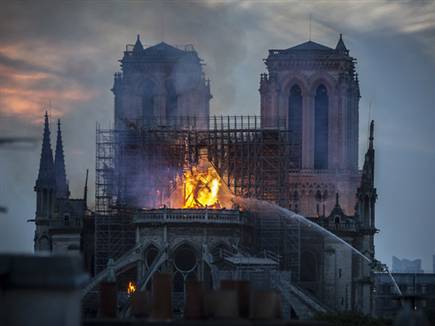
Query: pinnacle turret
{"type": "Point", "coordinates": [369, 161]}
{"type": "Point", "coordinates": [46, 174]}
{"type": "Point", "coordinates": [62, 190]}
{"type": "Point", "coordinates": [341, 48]}
{"type": "Point", "coordinates": [138, 47]}
{"type": "Point", "coordinates": [337, 210]}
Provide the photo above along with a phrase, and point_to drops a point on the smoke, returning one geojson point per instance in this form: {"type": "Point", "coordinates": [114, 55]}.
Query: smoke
{"type": "Point", "coordinates": [70, 50]}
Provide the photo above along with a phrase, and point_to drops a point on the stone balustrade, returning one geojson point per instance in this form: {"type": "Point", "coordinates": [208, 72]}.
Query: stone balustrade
{"type": "Point", "coordinates": [342, 226]}
{"type": "Point", "coordinates": [205, 216]}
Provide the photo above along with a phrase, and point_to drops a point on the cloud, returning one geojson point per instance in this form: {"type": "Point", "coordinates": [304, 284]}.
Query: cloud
{"type": "Point", "coordinates": [26, 88]}
{"type": "Point", "coordinates": [21, 65]}
{"type": "Point", "coordinates": [81, 42]}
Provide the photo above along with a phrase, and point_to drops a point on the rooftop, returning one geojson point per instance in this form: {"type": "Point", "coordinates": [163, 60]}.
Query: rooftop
{"type": "Point", "coordinates": [310, 46]}
{"type": "Point", "coordinates": [314, 48]}
{"type": "Point", "coordinates": [165, 48]}
{"type": "Point", "coordinates": [159, 51]}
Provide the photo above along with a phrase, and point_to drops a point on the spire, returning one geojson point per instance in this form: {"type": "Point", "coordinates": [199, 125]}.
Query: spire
{"type": "Point", "coordinates": [138, 47]}
{"type": "Point", "coordinates": [85, 194]}
{"type": "Point", "coordinates": [371, 138]}
{"type": "Point", "coordinates": [341, 48]}
{"type": "Point", "coordinates": [367, 193]}
{"type": "Point", "coordinates": [46, 177]}
{"type": "Point", "coordinates": [337, 210]}
{"type": "Point", "coordinates": [368, 176]}
{"type": "Point", "coordinates": [62, 190]}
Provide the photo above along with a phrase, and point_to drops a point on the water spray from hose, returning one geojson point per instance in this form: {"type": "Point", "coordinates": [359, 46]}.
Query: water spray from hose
{"type": "Point", "coordinates": [261, 206]}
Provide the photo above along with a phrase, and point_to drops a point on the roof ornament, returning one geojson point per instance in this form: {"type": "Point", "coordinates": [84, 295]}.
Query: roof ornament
{"type": "Point", "coordinates": [341, 48]}
{"type": "Point", "coordinates": [337, 210]}
{"type": "Point", "coordinates": [138, 47]}
{"type": "Point", "coordinates": [367, 180]}
{"type": "Point", "coordinates": [85, 193]}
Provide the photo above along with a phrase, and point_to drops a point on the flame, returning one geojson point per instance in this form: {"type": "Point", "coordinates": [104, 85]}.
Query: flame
{"type": "Point", "coordinates": [131, 288]}
{"type": "Point", "coordinates": [201, 188]}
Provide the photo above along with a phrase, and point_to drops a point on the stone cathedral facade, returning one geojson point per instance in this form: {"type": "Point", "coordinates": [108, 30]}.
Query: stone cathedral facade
{"type": "Point", "coordinates": [313, 89]}
{"type": "Point", "coordinates": [310, 89]}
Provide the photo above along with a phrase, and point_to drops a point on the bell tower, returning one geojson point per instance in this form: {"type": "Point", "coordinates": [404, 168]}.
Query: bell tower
{"type": "Point", "coordinates": [161, 85]}
{"type": "Point", "coordinates": [313, 91]}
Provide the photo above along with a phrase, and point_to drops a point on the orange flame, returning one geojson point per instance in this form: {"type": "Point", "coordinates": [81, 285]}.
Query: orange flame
{"type": "Point", "coordinates": [131, 288]}
{"type": "Point", "coordinates": [201, 188]}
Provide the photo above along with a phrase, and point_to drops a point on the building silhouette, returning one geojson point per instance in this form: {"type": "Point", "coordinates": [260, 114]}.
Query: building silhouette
{"type": "Point", "coordinates": [406, 265]}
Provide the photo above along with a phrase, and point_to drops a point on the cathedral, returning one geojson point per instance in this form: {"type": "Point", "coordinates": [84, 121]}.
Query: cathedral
{"type": "Point", "coordinates": [168, 173]}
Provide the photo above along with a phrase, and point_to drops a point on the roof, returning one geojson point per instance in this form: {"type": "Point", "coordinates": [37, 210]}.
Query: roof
{"type": "Point", "coordinates": [310, 46]}
{"type": "Point", "coordinates": [163, 48]}
{"type": "Point", "coordinates": [160, 52]}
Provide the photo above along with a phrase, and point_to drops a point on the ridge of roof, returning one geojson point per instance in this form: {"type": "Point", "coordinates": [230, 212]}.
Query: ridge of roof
{"type": "Point", "coordinates": [310, 46]}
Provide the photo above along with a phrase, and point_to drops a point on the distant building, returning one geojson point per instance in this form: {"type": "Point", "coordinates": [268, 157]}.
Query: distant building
{"type": "Point", "coordinates": [62, 223]}
{"type": "Point", "coordinates": [418, 285]}
{"type": "Point", "coordinates": [406, 266]}
{"type": "Point", "coordinates": [433, 264]}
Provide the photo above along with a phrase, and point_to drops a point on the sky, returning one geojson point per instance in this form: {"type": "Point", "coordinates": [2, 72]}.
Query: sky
{"type": "Point", "coordinates": [65, 53]}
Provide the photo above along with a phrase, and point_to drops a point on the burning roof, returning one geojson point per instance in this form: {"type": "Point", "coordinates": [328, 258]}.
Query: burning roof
{"type": "Point", "coordinates": [201, 186]}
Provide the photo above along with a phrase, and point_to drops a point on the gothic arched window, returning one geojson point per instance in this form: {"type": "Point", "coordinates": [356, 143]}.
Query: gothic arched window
{"type": "Point", "coordinates": [321, 108]}
{"type": "Point", "coordinates": [295, 124]}
{"type": "Point", "coordinates": [148, 102]}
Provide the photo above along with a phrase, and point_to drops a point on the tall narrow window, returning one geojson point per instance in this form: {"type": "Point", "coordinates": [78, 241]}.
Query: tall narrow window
{"type": "Point", "coordinates": [309, 267]}
{"type": "Point", "coordinates": [148, 103]}
{"type": "Point", "coordinates": [321, 107]}
{"type": "Point", "coordinates": [295, 124]}
{"type": "Point", "coordinates": [66, 219]}
{"type": "Point", "coordinates": [171, 101]}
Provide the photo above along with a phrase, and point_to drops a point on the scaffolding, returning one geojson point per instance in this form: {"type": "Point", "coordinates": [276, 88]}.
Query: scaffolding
{"type": "Point", "coordinates": [137, 167]}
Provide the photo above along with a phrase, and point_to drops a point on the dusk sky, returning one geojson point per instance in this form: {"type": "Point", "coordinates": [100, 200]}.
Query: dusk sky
{"type": "Point", "coordinates": [67, 53]}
